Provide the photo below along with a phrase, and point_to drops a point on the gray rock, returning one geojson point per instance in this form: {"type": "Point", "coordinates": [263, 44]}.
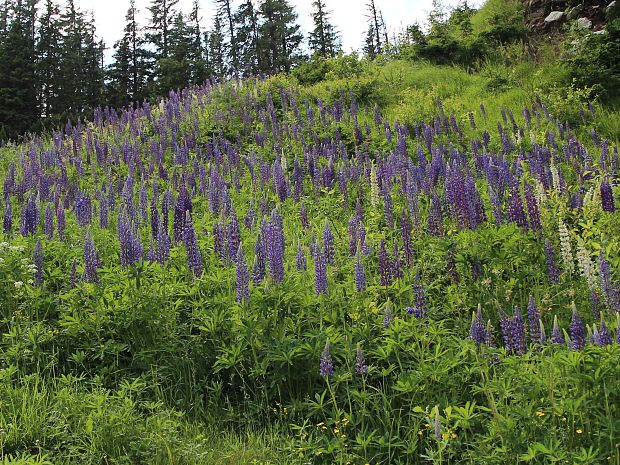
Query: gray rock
{"type": "Point", "coordinates": [584, 23]}
{"type": "Point", "coordinates": [600, 33]}
{"type": "Point", "coordinates": [574, 12]}
{"type": "Point", "coordinates": [554, 16]}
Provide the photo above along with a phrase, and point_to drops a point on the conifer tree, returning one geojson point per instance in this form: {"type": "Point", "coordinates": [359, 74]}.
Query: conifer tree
{"type": "Point", "coordinates": [324, 40]}
{"type": "Point", "coordinates": [197, 54]}
{"type": "Point", "coordinates": [49, 54]}
{"type": "Point", "coordinates": [279, 36]}
{"type": "Point", "coordinates": [162, 17]}
{"type": "Point", "coordinates": [176, 67]}
{"type": "Point", "coordinates": [246, 38]}
{"type": "Point", "coordinates": [225, 10]}
{"type": "Point", "coordinates": [18, 91]}
{"type": "Point", "coordinates": [217, 50]}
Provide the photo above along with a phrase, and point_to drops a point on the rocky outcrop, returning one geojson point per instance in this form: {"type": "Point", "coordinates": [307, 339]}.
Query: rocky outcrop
{"type": "Point", "coordinates": [551, 15]}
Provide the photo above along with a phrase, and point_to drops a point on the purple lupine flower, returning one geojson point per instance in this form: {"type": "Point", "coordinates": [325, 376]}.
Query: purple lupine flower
{"type": "Point", "coordinates": [326, 366]}
{"type": "Point", "coordinates": [352, 230]}
{"type": "Point", "coordinates": [516, 213]}
{"type": "Point", "coordinates": [435, 218]}
{"type": "Point", "coordinates": [360, 364]}
{"type": "Point", "coordinates": [388, 317]}
{"type": "Point", "coordinates": [328, 243]}
{"type": "Point", "coordinates": [533, 316]}
{"type": "Point", "coordinates": [233, 234]}
{"type": "Point", "coordinates": [61, 222]}
{"type": "Point", "coordinates": [7, 220]}
{"type": "Point", "coordinates": [397, 271]}
{"type": "Point", "coordinates": [274, 244]}
{"type": "Point", "coordinates": [194, 258]}
{"type": "Point", "coordinates": [83, 209]}
{"type": "Point", "coordinates": [243, 287]}
{"type": "Point", "coordinates": [420, 296]}
{"type": "Point", "coordinates": [532, 208]}
{"type": "Point", "coordinates": [300, 260]}
{"type": "Point", "coordinates": [595, 303]}
{"type": "Point", "coordinates": [250, 217]}
{"type": "Point", "coordinates": [151, 252]}
{"type": "Point", "coordinates": [359, 273]}
{"type": "Point", "coordinates": [320, 272]}
{"type": "Point", "coordinates": [552, 265]}
{"type": "Point", "coordinates": [38, 259]}
{"type": "Point", "coordinates": [609, 290]}
{"type": "Point", "coordinates": [259, 269]}
{"type": "Point", "coordinates": [607, 196]}
{"type": "Point", "coordinates": [602, 336]}
{"type": "Point", "coordinates": [154, 218]}
{"type": "Point", "coordinates": [556, 332]}
{"type": "Point", "coordinates": [505, 323]}
{"type": "Point", "coordinates": [385, 269]}
{"type": "Point", "coordinates": [518, 333]}
{"type": "Point", "coordinates": [143, 205]}
{"type": "Point", "coordinates": [618, 333]}
{"type": "Point", "coordinates": [405, 231]}
{"type": "Point", "coordinates": [91, 260]}
{"type": "Point", "coordinates": [437, 425]}
{"type": "Point", "coordinates": [48, 225]}
{"type": "Point", "coordinates": [163, 243]}
{"type": "Point", "coordinates": [477, 330]}
{"type": "Point", "coordinates": [577, 331]}
{"type": "Point", "coordinates": [415, 311]}
{"type": "Point", "coordinates": [219, 241]}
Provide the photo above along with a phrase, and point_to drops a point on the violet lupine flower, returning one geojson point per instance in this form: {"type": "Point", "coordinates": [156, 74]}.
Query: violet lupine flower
{"type": "Point", "coordinates": [83, 209]}
{"type": "Point", "coordinates": [352, 230]}
{"type": "Point", "coordinates": [38, 259]}
{"type": "Point", "coordinates": [326, 366]}
{"type": "Point", "coordinates": [388, 317]}
{"type": "Point", "coordinates": [219, 241]}
{"type": "Point", "coordinates": [384, 265]}
{"type": "Point", "coordinates": [233, 235]}
{"type": "Point", "coordinates": [437, 425]}
{"type": "Point", "coordinates": [300, 260]}
{"type": "Point", "coordinates": [397, 271]}
{"type": "Point", "coordinates": [7, 220]}
{"type": "Point", "coordinates": [151, 252]}
{"type": "Point", "coordinates": [607, 196]}
{"type": "Point", "coordinates": [608, 288]}
{"type": "Point", "coordinates": [259, 269]}
{"type": "Point", "coordinates": [533, 316]}
{"type": "Point", "coordinates": [328, 243]}
{"type": "Point", "coordinates": [556, 332]}
{"type": "Point", "coordinates": [505, 323]}
{"type": "Point", "coordinates": [577, 331]}
{"type": "Point", "coordinates": [420, 297]}
{"type": "Point", "coordinates": [415, 311]}
{"type": "Point", "coordinates": [595, 303]}
{"type": "Point", "coordinates": [435, 219]}
{"type": "Point", "coordinates": [61, 222]}
{"type": "Point", "coordinates": [154, 218]}
{"type": "Point", "coordinates": [320, 273]}
{"type": "Point", "coordinates": [274, 244]}
{"type": "Point", "coordinates": [477, 330]}
{"type": "Point", "coordinates": [131, 248]}
{"type": "Point", "coordinates": [405, 230]}
{"type": "Point", "coordinates": [516, 213]}
{"type": "Point", "coordinates": [518, 333]}
{"type": "Point", "coordinates": [618, 333]}
{"type": "Point", "coordinates": [250, 217]}
{"type": "Point", "coordinates": [163, 244]}
{"type": "Point", "coordinates": [552, 265]}
{"type": "Point", "coordinates": [243, 287]}
{"type": "Point", "coordinates": [360, 364]}
{"type": "Point", "coordinates": [48, 225]}
{"type": "Point", "coordinates": [194, 258]}
{"type": "Point", "coordinates": [91, 260]}
{"type": "Point", "coordinates": [532, 208]}
{"type": "Point", "coordinates": [602, 336]}
{"type": "Point", "coordinates": [359, 273]}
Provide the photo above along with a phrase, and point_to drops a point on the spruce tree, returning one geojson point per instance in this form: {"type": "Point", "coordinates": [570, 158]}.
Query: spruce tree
{"type": "Point", "coordinates": [176, 67]}
{"type": "Point", "coordinates": [324, 40]}
{"type": "Point", "coordinates": [225, 11]}
{"type": "Point", "coordinates": [217, 49]}
{"type": "Point", "coordinates": [48, 49]}
{"type": "Point", "coordinates": [162, 17]}
{"type": "Point", "coordinates": [18, 90]}
{"type": "Point", "coordinates": [246, 39]}
{"type": "Point", "coordinates": [279, 36]}
{"type": "Point", "coordinates": [196, 51]}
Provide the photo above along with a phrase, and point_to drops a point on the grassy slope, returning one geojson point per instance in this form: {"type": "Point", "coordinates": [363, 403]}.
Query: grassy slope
{"type": "Point", "coordinates": [406, 92]}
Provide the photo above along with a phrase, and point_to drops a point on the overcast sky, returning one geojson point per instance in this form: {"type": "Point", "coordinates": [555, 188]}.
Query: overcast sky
{"type": "Point", "coordinates": [347, 15]}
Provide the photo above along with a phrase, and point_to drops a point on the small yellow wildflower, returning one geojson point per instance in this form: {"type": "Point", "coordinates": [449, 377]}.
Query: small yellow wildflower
{"type": "Point", "coordinates": [420, 433]}
{"type": "Point", "coordinates": [579, 431]}
{"type": "Point", "coordinates": [540, 413]}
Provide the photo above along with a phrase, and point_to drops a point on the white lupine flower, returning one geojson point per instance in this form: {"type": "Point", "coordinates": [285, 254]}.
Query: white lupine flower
{"type": "Point", "coordinates": [565, 248]}
{"type": "Point", "coordinates": [592, 197]}
{"type": "Point", "coordinates": [541, 195]}
{"type": "Point", "coordinates": [586, 267]}
{"type": "Point", "coordinates": [17, 248]}
{"type": "Point", "coordinates": [18, 284]}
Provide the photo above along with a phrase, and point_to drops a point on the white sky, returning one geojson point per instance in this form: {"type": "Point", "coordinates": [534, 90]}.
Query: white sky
{"type": "Point", "coordinates": [347, 15]}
